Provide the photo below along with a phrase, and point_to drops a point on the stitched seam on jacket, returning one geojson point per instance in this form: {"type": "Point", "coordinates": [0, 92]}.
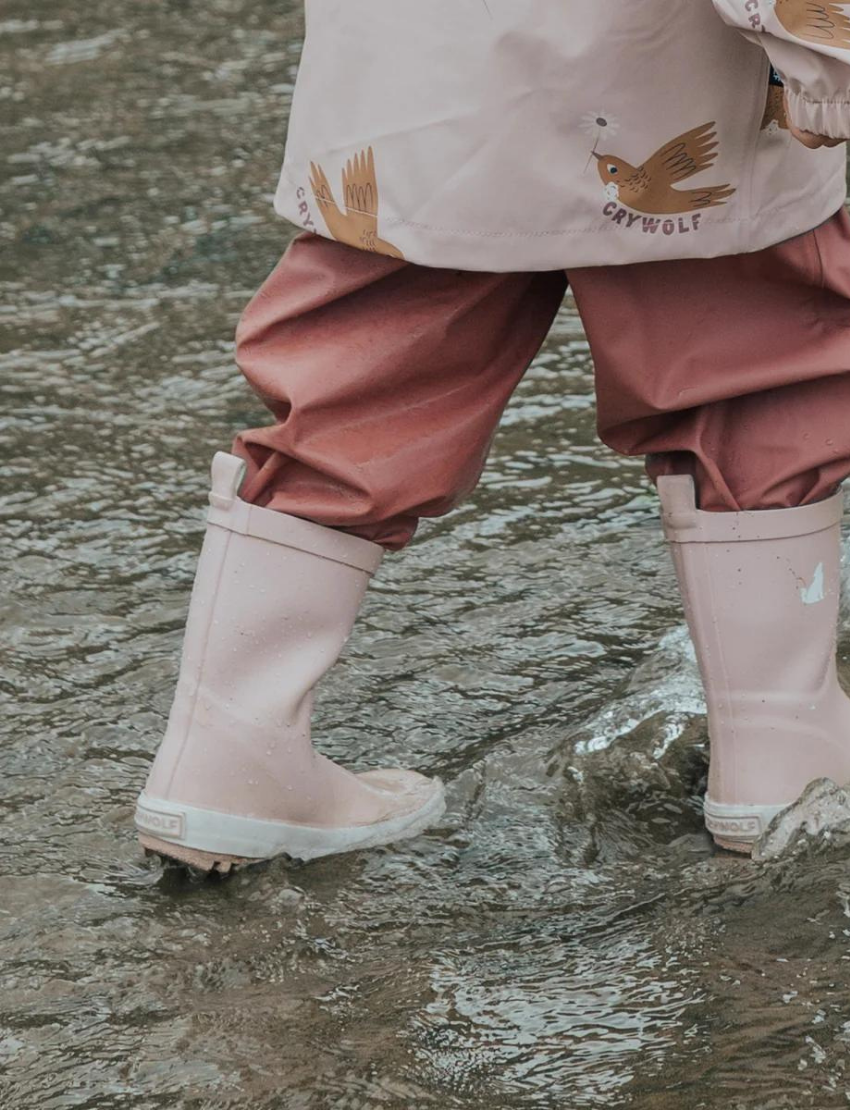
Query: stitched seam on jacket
{"type": "Point", "coordinates": [821, 275]}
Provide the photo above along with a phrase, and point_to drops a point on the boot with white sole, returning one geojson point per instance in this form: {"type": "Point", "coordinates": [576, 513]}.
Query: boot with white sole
{"type": "Point", "coordinates": [761, 595]}
{"type": "Point", "coordinates": [236, 779]}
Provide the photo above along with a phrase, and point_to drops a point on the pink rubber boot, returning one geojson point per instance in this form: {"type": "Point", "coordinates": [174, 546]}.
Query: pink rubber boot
{"type": "Point", "coordinates": [761, 593]}
{"type": "Point", "coordinates": [236, 778]}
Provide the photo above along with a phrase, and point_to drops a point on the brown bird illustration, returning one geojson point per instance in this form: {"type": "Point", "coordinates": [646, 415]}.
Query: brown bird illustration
{"type": "Point", "coordinates": [649, 187]}
{"type": "Point", "coordinates": [818, 21]}
{"type": "Point", "coordinates": [358, 224]}
{"type": "Point", "coordinates": [774, 110]}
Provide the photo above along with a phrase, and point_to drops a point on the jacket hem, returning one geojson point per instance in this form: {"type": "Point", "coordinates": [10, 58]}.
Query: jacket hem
{"type": "Point", "coordinates": [599, 244]}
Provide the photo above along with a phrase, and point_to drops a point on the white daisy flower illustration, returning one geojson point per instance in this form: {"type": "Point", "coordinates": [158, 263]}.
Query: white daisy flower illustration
{"type": "Point", "coordinates": [598, 124]}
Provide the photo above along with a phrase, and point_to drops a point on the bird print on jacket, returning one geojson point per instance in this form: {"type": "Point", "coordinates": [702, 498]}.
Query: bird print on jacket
{"type": "Point", "coordinates": [775, 117]}
{"type": "Point", "coordinates": [817, 21]}
{"type": "Point", "coordinates": [650, 187]}
{"type": "Point", "coordinates": [358, 224]}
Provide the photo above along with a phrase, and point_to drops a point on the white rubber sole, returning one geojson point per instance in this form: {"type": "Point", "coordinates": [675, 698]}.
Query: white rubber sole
{"type": "Point", "coordinates": [738, 827]}
{"type": "Point", "coordinates": [211, 840]}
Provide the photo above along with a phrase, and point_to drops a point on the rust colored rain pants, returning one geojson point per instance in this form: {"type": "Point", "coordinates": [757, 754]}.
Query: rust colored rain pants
{"type": "Point", "coordinates": [387, 380]}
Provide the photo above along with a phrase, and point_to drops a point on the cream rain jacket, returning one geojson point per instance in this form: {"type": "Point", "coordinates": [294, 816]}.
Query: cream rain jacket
{"type": "Point", "coordinates": [543, 134]}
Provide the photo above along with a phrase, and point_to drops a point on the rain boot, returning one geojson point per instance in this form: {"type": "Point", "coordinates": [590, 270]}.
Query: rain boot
{"type": "Point", "coordinates": [761, 594]}
{"type": "Point", "coordinates": [236, 778]}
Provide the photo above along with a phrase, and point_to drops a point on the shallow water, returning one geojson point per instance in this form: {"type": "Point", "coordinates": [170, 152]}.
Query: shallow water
{"type": "Point", "coordinates": [566, 937]}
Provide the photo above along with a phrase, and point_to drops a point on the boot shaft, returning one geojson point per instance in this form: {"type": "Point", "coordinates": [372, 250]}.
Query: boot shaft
{"type": "Point", "coordinates": [761, 595]}
{"type": "Point", "coordinates": [273, 603]}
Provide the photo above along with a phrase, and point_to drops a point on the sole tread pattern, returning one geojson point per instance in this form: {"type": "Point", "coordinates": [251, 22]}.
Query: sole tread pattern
{"type": "Point", "coordinates": [193, 857]}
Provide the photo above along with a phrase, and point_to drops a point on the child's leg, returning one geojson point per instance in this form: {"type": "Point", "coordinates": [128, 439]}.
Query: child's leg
{"type": "Point", "coordinates": [733, 375]}
{"type": "Point", "coordinates": [735, 370]}
{"type": "Point", "coordinates": [387, 381]}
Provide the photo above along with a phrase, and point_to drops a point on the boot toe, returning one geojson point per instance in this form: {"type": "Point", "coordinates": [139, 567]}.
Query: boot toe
{"type": "Point", "coordinates": [405, 791]}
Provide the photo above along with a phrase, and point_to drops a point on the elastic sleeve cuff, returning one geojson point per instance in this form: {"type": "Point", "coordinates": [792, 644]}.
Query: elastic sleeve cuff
{"type": "Point", "coordinates": [822, 117]}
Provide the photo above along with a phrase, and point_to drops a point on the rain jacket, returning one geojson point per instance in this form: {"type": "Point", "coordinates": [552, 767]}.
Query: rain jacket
{"type": "Point", "coordinates": [508, 135]}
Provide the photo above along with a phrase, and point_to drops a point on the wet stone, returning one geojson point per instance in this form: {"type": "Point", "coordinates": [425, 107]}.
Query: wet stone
{"type": "Point", "coordinates": [822, 812]}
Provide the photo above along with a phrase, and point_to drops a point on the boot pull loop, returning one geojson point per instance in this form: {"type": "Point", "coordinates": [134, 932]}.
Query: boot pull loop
{"type": "Point", "coordinates": [226, 474]}
{"type": "Point", "coordinates": [678, 502]}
